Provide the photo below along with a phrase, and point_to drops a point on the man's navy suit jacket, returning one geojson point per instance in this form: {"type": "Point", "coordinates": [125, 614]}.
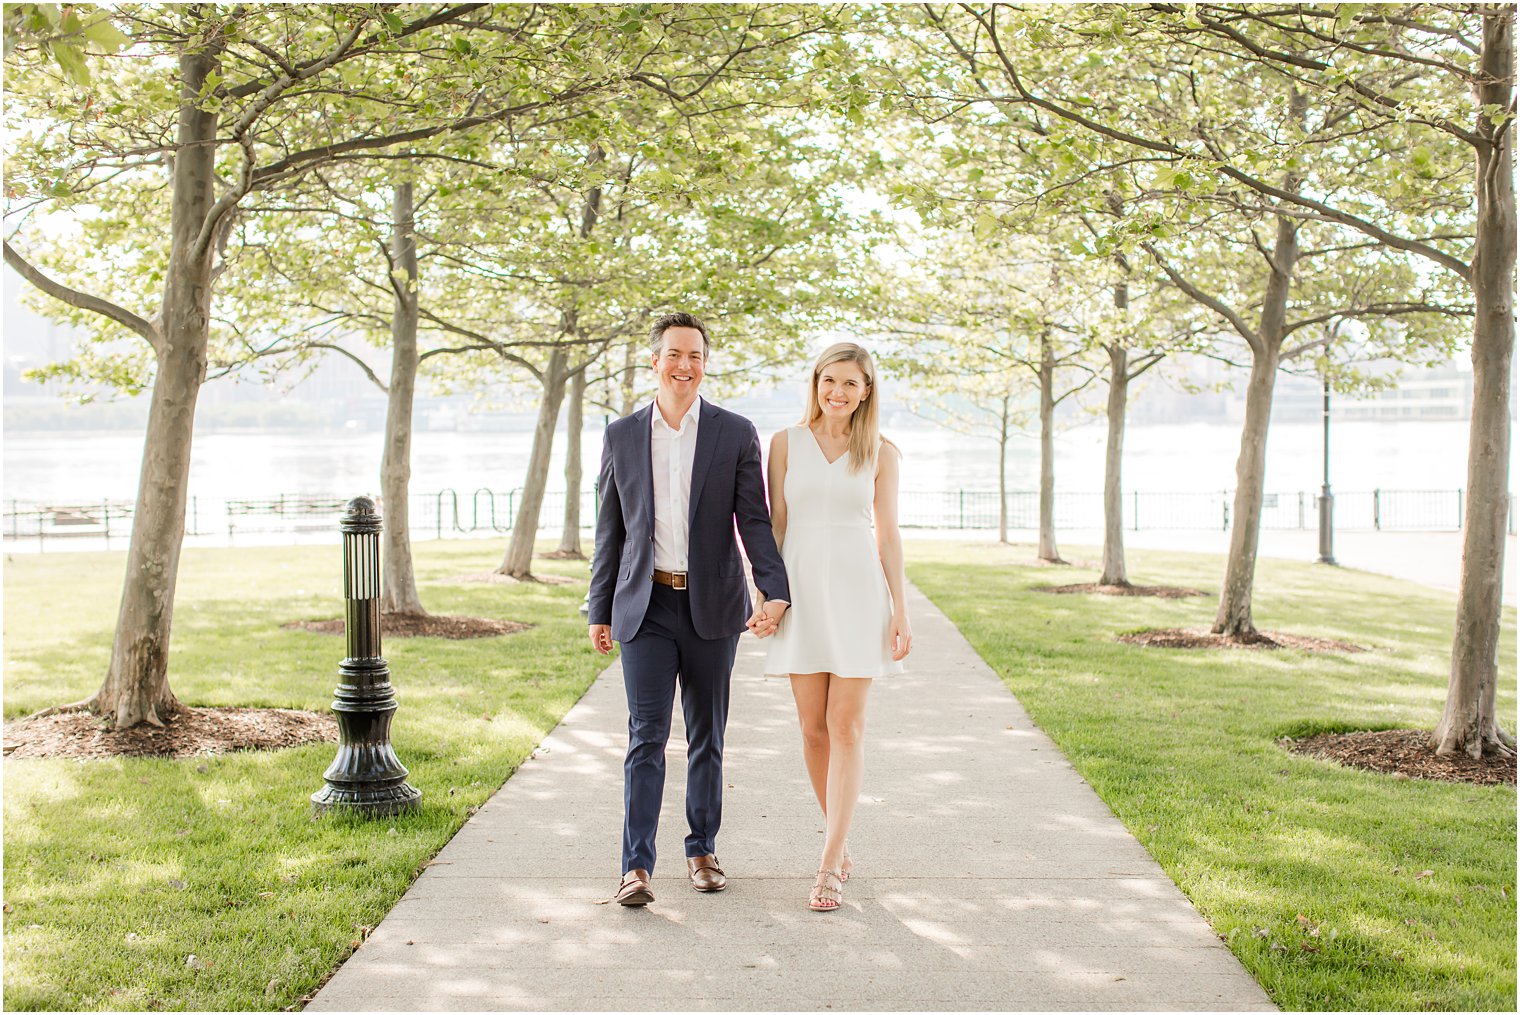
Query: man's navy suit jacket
{"type": "Point", "coordinates": [726, 487]}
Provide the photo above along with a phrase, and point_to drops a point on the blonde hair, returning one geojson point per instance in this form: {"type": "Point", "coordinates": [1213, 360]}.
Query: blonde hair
{"type": "Point", "coordinates": [865, 421]}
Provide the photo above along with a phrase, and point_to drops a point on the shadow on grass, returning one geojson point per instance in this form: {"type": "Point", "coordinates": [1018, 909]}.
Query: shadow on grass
{"type": "Point", "coordinates": [117, 872]}
{"type": "Point", "coordinates": [1182, 746]}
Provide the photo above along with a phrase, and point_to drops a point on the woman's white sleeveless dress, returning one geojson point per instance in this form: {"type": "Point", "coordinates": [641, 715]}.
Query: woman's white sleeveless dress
{"type": "Point", "coordinates": [841, 613]}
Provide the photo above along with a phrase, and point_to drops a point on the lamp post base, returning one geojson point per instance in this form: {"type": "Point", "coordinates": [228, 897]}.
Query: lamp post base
{"type": "Point", "coordinates": [1326, 527]}
{"type": "Point", "coordinates": [368, 801]}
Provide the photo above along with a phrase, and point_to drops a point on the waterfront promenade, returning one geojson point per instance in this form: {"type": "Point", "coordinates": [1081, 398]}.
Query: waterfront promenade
{"type": "Point", "coordinates": [990, 876]}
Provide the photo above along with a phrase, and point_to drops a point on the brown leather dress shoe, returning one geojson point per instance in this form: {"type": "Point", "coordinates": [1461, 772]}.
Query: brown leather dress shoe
{"type": "Point", "coordinates": [634, 889]}
{"type": "Point", "coordinates": [706, 875]}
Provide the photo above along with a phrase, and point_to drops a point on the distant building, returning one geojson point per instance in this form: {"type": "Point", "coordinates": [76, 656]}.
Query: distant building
{"type": "Point", "coordinates": [1442, 393]}
{"type": "Point", "coordinates": [1436, 394]}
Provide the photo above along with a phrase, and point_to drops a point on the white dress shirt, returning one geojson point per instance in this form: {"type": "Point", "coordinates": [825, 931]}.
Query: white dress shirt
{"type": "Point", "coordinates": [671, 453]}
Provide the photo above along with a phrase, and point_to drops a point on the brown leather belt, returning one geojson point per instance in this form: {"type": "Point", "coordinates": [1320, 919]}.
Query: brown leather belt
{"type": "Point", "coordinates": [674, 579]}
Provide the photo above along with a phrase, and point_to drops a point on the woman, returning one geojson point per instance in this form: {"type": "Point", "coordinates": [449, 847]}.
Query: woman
{"type": "Point", "coordinates": [848, 621]}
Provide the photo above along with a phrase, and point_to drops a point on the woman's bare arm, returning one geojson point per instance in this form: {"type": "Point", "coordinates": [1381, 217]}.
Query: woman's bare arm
{"type": "Point", "coordinates": [775, 475]}
{"type": "Point", "coordinates": [889, 545]}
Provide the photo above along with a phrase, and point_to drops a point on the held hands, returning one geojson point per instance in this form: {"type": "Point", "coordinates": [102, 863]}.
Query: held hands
{"type": "Point", "coordinates": [766, 618]}
{"type": "Point", "coordinates": [902, 637]}
{"type": "Point", "coordinates": [601, 637]}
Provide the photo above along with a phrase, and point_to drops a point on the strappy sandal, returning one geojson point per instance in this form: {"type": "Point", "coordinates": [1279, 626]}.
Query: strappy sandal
{"type": "Point", "coordinates": [826, 897]}
{"type": "Point", "coordinates": [845, 872]}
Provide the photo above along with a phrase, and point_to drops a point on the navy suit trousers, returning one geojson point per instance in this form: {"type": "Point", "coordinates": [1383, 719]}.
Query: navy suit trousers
{"type": "Point", "coordinates": [667, 651]}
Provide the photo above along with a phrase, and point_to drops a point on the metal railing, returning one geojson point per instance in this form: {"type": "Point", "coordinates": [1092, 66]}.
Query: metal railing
{"type": "Point", "coordinates": [101, 519]}
{"type": "Point", "coordinates": [295, 513]}
{"type": "Point", "coordinates": [485, 512]}
{"type": "Point", "coordinates": [1374, 510]}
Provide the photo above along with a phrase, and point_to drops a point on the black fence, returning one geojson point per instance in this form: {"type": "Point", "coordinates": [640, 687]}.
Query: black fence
{"type": "Point", "coordinates": [1376, 510]}
{"type": "Point", "coordinates": [484, 512]}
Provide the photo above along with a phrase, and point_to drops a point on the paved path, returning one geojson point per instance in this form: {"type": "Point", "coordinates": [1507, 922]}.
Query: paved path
{"type": "Point", "coordinates": [990, 876]}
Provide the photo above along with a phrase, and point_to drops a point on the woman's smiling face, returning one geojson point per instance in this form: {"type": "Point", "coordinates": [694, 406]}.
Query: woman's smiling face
{"type": "Point", "coordinates": [842, 387]}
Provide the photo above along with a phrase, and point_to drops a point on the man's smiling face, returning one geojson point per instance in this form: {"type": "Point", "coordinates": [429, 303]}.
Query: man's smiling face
{"type": "Point", "coordinates": [680, 363]}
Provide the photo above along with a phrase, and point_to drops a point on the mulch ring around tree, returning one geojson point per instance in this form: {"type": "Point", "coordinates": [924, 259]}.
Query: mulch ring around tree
{"type": "Point", "coordinates": [186, 733]}
{"type": "Point", "coordinates": [430, 626]}
{"type": "Point", "coordinates": [1079, 564]}
{"type": "Point", "coordinates": [1156, 591]}
{"type": "Point", "coordinates": [1403, 754]}
{"type": "Point", "coordinates": [1178, 637]}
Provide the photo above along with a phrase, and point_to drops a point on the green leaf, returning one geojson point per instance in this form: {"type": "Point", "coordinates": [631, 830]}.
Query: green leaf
{"type": "Point", "coordinates": [72, 62]}
{"type": "Point", "coordinates": [986, 225]}
{"type": "Point", "coordinates": [105, 35]}
{"type": "Point", "coordinates": [1345, 15]}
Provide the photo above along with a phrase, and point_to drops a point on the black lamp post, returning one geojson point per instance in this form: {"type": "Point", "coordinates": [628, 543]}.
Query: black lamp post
{"type": "Point", "coordinates": [366, 777]}
{"type": "Point", "coordinates": [1326, 499]}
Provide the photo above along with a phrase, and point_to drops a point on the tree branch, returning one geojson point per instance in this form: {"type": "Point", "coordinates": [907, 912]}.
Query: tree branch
{"type": "Point", "coordinates": [1198, 295]}
{"type": "Point", "coordinates": [83, 301]}
{"type": "Point", "coordinates": [361, 364]}
{"type": "Point", "coordinates": [1261, 186]}
{"type": "Point", "coordinates": [310, 156]}
{"type": "Point", "coordinates": [312, 67]}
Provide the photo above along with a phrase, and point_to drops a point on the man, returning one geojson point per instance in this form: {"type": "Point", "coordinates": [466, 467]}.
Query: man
{"type": "Point", "coordinates": [668, 585]}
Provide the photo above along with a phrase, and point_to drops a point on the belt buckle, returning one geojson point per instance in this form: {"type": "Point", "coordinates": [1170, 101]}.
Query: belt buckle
{"type": "Point", "coordinates": [678, 580]}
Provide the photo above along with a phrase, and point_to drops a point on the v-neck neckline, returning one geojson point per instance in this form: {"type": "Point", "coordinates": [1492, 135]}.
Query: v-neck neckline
{"type": "Point", "coordinates": [824, 454]}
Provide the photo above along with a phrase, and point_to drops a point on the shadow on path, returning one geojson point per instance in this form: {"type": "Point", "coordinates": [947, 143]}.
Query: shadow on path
{"type": "Point", "coordinates": [989, 875]}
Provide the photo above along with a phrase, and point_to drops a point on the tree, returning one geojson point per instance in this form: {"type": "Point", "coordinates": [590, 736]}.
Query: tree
{"type": "Point", "coordinates": [1104, 99]}
{"type": "Point", "coordinates": [735, 212]}
{"type": "Point", "coordinates": [223, 103]}
{"type": "Point", "coordinates": [1470, 721]}
{"type": "Point", "coordinates": [981, 317]}
{"type": "Point", "coordinates": [959, 165]}
{"type": "Point", "coordinates": [321, 241]}
{"type": "Point", "coordinates": [989, 405]}
{"type": "Point", "coordinates": [1401, 74]}
{"type": "Point", "coordinates": [1133, 343]}
{"type": "Point", "coordinates": [1404, 71]}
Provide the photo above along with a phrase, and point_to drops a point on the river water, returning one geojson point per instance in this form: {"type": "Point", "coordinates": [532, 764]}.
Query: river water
{"type": "Point", "coordinates": [74, 466]}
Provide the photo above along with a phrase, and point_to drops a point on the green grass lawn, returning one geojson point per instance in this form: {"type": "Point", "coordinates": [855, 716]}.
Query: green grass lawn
{"type": "Point", "coordinates": [116, 872]}
{"type": "Point", "coordinates": [1315, 874]}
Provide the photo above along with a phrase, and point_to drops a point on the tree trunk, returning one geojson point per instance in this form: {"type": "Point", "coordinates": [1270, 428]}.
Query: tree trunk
{"type": "Point", "coordinates": [1234, 616]}
{"type": "Point", "coordinates": [570, 539]}
{"type": "Point", "coordinates": [136, 687]}
{"type": "Point", "coordinates": [1113, 461]}
{"type": "Point", "coordinates": [1470, 722]}
{"type": "Point", "coordinates": [399, 581]}
{"type": "Point", "coordinates": [630, 367]}
{"type": "Point", "coordinates": [1003, 472]}
{"type": "Point", "coordinates": [519, 559]}
{"type": "Point", "coordinates": [1048, 551]}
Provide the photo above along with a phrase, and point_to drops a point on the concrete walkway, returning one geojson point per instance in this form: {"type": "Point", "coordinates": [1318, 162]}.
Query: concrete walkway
{"type": "Point", "coordinates": [989, 876]}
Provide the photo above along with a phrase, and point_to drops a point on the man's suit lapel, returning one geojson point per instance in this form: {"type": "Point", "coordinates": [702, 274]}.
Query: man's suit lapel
{"type": "Point", "coordinates": [707, 443]}
{"type": "Point", "coordinates": [643, 421]}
